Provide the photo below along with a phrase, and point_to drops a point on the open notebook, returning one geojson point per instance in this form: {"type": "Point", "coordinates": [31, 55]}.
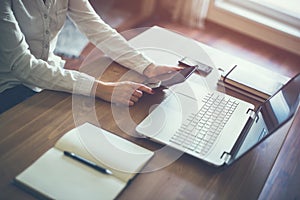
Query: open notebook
{"type": "Point", "coordinates": [57, 176]}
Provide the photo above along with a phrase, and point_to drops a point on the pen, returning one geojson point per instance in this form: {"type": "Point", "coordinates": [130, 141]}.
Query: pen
{"type": "Point", "coordinates": [87, 162]}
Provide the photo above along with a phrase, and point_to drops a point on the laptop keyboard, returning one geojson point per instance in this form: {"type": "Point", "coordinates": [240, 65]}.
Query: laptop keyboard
{"type": "Point", "coordinates": [200, 130]}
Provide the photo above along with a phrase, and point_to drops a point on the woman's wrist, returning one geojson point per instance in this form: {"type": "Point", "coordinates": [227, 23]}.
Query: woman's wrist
{"type": "Point", "coordinates": [150, 70]}
{"type": "Point", "coordinates": [100, 88]}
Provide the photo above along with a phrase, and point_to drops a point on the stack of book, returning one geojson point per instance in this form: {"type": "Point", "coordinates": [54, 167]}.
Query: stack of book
{"type": "Point", "coordinates": [252, 81]}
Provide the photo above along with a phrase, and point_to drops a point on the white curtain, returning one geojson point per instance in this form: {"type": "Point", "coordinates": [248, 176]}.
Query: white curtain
{"type": "Point", "coordinates": [190, 12]}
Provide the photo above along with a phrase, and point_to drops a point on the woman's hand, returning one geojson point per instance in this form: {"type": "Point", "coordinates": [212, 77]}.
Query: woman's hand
{"type": "Point", "coordinates": [125, 92]}
{"type": "Point", "coordinates": [155, 70]}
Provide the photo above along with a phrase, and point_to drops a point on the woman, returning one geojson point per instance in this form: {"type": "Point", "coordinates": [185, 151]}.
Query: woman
{"type": "Point", "coordinates": [28, 35]}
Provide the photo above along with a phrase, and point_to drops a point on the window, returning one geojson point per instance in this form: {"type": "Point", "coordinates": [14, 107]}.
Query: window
{"type": "Point", "coordinates": [268, 20]}
{"type": "Point", "coordinates": [289, 8]}
{"type": "Point", "coordinates": [282, 12]}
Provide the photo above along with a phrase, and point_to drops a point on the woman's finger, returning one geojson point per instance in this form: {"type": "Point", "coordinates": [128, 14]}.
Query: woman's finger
{"type": "Point", "coordinates": [134, 98]}
{"type": "Point", "coordinates": [137, 93]}
{"type": "Point", "coordinates": [145, 88]}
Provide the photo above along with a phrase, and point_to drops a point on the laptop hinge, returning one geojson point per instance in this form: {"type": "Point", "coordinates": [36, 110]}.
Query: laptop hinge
{"type": "Point", "coordinates": [226, 157]}
{"type": "Point", "coordinates": [252, 114]}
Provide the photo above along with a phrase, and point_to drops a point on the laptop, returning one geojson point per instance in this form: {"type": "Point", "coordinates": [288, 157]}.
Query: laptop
{"type": "Point", "coordinates": [213, 126]}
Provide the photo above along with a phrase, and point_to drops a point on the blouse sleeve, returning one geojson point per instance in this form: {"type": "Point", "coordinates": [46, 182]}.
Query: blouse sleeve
{"type": "Point", "coordinates": [16, 59]}
{"type": "Point", "coordinates": [106, 38]}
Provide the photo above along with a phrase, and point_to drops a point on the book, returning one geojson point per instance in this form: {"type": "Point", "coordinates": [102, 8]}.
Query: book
{"type": "Point", "coordinates": [57, 176]}
{"type": "Point", "coordinates": [253, 81]}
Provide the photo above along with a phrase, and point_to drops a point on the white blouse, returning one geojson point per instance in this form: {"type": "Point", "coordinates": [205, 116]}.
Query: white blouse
{"type": "Point", "coordinates": [28, 36]}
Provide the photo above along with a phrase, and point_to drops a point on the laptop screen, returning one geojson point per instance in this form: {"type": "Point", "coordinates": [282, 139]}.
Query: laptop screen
{"type": "Point", "coordinates": [271, 115]}
{"type": "Point", "coordinates": [279, 108]}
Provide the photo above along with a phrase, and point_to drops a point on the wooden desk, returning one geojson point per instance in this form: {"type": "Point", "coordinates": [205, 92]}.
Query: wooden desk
{"type": "Point", "coordinates": [32, 127]}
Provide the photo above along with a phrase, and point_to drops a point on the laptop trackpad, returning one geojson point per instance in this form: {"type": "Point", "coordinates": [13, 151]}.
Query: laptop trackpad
{"type": "Point", "coordinates": [168, 116]}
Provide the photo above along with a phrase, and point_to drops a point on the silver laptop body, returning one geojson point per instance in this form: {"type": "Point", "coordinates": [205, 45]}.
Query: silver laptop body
{"type": "Point", "coordinates": [231, 125]}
